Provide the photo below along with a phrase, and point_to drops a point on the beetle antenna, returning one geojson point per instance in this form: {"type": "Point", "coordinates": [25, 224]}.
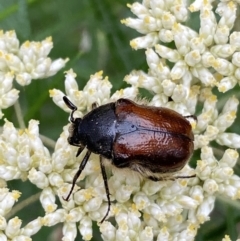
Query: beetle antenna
{"type": "Point", "coordinates": [104, 175]}
{"type": "Point", "coordinates": [71, 106]}
{"type": "Point", "coordinates": [81, 167]}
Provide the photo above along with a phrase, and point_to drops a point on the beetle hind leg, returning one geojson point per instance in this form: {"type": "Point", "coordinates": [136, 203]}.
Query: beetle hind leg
{"type": "Point", "coordinates": [104, 175]}
{"type": "Point", "coordinates": [191, 117]}
{"type": "Point", "coordinates": [179, 177]}
{"type": "Point", "coordinates": [161, 178]}
{"type": "Point", "coordinates": [169, 177]}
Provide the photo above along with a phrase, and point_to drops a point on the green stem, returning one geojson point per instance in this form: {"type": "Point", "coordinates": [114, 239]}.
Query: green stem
{"type": "Point", "coordinates": [48, 142]}
{"type": "Point", "coordinates": [23, 204]}
{"type": "Point", "coordinates": [19, 115]}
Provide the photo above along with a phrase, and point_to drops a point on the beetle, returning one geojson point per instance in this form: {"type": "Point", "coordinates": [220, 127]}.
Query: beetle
{"type": "Point", "coordinates": [153, 141]}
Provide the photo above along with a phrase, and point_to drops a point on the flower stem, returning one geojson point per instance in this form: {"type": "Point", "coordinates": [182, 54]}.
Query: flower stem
{"type": "Point", "coordinates": [19, 115]}
{"type": "Point", "coordinates": [23, 204]}
{"type": "Point", "coordinates": [48, 142]}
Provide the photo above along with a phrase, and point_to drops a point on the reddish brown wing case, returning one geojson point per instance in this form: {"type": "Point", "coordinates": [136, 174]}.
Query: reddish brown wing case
{"type": "Point", "coordinates": [159, 139]}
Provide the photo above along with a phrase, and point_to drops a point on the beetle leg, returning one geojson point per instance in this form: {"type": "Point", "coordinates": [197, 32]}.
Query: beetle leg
{"type": "Point", "coordinates": [170, 177]}
{"type": "Point", "coordinates": [155, 179]}
{"type": "Point", "coordinates": [79, 151]}
{"type": "Point", "coordinates": [191, 116]}
{"type": "Point", "coordinates": [194, 175]}
{"type": "Point", "coordinates": [104, 175]}
{"type": "Point", "coordinates": [81, 167]}
{"type": "Point", "coordinates": [94, 105]}
{"type": "Point", "coordinates": [165, 178]}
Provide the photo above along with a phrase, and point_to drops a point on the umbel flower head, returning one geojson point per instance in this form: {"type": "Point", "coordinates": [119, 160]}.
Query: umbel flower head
{"type": "Point", "coordinates": [23, 63]}
{"type": "Point", "coordinates": [207, 57]}
{"type": "Point", "coordinates": [28, 61]}
{"type": "Point", "coordinates": [141, 209]}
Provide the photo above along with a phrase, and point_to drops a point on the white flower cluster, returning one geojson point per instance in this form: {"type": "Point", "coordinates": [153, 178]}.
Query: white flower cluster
{"type": "Point", "coordinates": [23, 63]}
{"type": "Point", "coordinates": [97, 90]}
{"type": "Point", "coordinates": [209, 56]}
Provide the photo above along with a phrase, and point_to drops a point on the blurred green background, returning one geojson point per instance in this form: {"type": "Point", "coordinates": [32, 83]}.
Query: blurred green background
{"type": "Point", "coordinates": [107, 49]}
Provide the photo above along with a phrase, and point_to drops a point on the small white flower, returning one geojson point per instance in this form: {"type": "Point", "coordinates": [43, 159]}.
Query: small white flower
{"type": "Point", "coordinates": [32, 227]}
{"type": "Point", "coordinates": [163, 234]}
{"type": "Point", "coordinates": [47, 200]}
{"type": "Point", "coordinates": [8, 199]}
{"type": "Point", "coordinates": [85, 228]}
{"type": "Point", "coordinates": [22, 238]}
{"type": "Point", "coordinates": [75, 214]}
{"type": "Point", "coordinates": [141, 200]}
{"type": "Point", "coordinates": [69, 231]}
{"type": "Point", "coordinates": [55, 179]}
{"type": "Point", "coordinates": [144, 42]}
{"type": "Point", "coordinates": [3, 223]}
{"type": "Point", "coordinates": [108, 231]}
{"type": "Point", "coordinates": [38, 178]}
{"type": "Point", "coordinates": [13, 227]}
{"type": "Point", "coordinates": [146, 234]}
{"type": "Point", "coordinates": [227, 238]}
{"type": "Point", "coordinates": [167, 53]}
{"type": "Point", "coordinates": [229, 158]}
{"type": "Point", "coordinates": [205, 209]}
{"type": "Point", "coordinates": [53, 218]}
{"type": "Point", "coordinates": [129, 93]}
{"type": "Point", "coordinates": [210, 186]}
{"type": "Point", "coordinates": [196, 192]}
{"type": "Point", "coordinates": [8, 95]}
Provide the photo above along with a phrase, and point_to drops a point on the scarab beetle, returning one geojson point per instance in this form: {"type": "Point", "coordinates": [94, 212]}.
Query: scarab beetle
{"type": "Point", "coordinates": [153, 141]}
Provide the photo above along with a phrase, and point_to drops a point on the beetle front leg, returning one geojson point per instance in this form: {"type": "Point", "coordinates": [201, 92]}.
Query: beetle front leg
{"type": "Point", "coordinates": [81, 167]}
{"type": "Point", "coordinates": [79, 151]}
{"type": "Point", "coordinates": [94, 105]}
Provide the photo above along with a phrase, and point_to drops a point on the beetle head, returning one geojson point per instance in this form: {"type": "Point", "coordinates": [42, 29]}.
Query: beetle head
{"type": "Point", "coordinates": [74, 137]}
